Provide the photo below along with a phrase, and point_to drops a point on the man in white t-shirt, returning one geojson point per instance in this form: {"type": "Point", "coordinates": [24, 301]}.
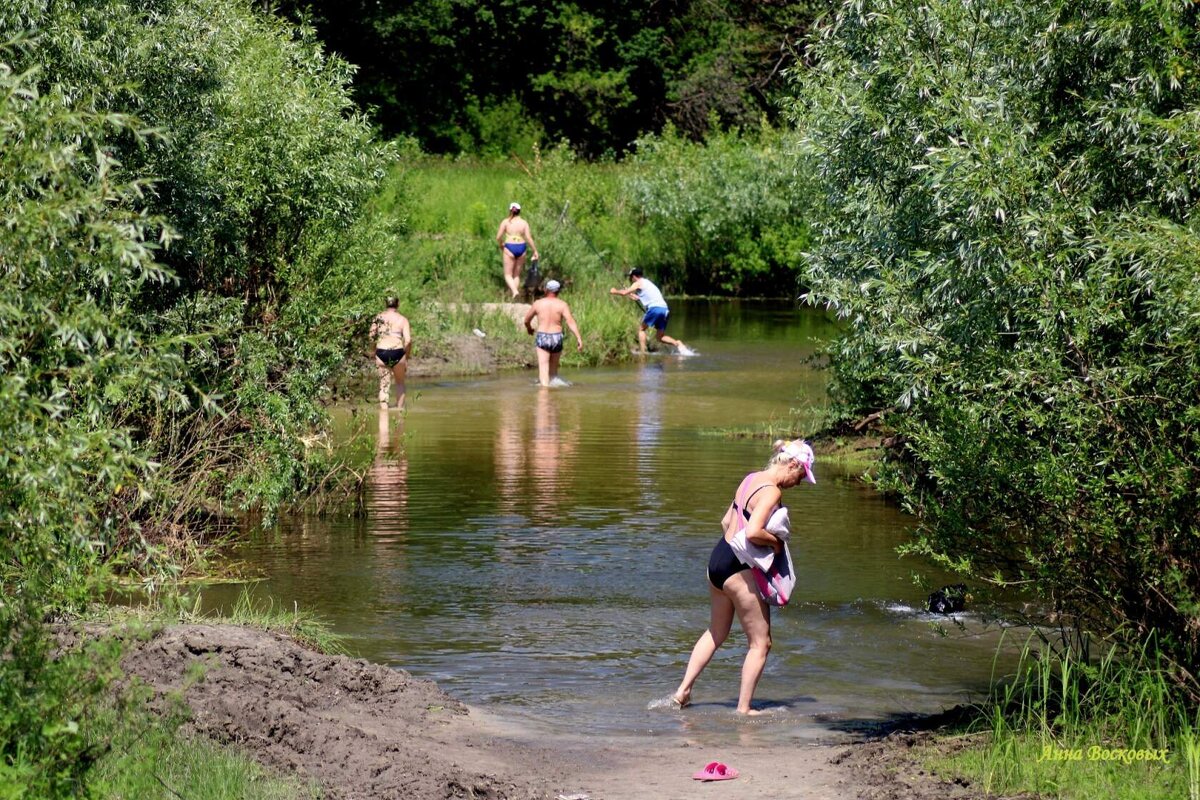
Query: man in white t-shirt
{"type": "Point", "coordinates": [645, 292]}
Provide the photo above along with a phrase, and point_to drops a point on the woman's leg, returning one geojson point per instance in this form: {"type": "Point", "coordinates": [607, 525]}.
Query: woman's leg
{"type": "Point", "coordinates": [511, 271]}
{"type": "Point", "coordinates": [399, 372]}
{"type": "Point", "coordinates": [385, 382]}
{"type": "Point", "coordinates": [518, 265]}
{"type": "Point", "coordinates": [755, 616]}
{"type": "Point", "coordinates": [720, 621]}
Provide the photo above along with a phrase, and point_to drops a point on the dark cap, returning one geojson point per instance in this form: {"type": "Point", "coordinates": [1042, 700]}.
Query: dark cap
{"type": "Point", "coordinates": [636, 272]}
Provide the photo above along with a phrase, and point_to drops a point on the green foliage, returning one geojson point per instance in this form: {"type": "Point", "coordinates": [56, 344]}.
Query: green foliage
{"type": "Point", "coordinates": [264, 169]}
{"type": "Point", "coordinates": [143, 386]}
{"type": "Point", "coordinates": [1005, 224]}
{"type": "Point", "coordinates": [76, 245]}
{"type": "Point", "coordinates": [730, 211]}
{"type": "Point", "coordinates": [498, 76]}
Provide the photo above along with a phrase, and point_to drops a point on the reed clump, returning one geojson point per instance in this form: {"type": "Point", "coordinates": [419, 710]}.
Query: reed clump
{"type": "Point", "coordinates": [1072, 726]}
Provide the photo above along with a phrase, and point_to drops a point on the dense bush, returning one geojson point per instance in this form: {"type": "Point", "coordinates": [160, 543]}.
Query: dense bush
{"type": "Point", "coordinates": [264, 168]}
{"type": "Point", "coordinates": [76, 245]}
{"type": "Point", "coordinates": [1006, 224]}
{"type": "Point", "coordinates": [729, 212]}
{"type": "Point", "coordinates": [143, 385]}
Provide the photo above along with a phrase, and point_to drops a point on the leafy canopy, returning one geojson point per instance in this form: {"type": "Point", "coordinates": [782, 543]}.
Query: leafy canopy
{"type": "Point", "coordinates": [1006, 225]}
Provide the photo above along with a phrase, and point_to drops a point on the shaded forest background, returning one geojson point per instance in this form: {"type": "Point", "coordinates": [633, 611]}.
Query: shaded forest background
{"type": "Point", "coordinates": [492, 77]}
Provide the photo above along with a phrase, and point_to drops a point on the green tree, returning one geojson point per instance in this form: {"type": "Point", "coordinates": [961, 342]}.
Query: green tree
{"type": "Point", "coordinates": [730, 209]}
{"type": "Point", "coordinates": [264, 168]}
{"type": "Point", "coordinates": [456, 75]}
{"type": "Point", "coordinates": [1006, 225]}
{"type": "Point", "coordinates": [76, 244]}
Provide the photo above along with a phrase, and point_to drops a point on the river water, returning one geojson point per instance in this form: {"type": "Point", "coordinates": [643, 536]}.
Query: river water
{"type": "Point", "coordinates": [542, 553]}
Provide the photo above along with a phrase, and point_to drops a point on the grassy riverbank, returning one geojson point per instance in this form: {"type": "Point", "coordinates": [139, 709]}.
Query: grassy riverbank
{"type": "Point", "coordinates": [1076, 729]}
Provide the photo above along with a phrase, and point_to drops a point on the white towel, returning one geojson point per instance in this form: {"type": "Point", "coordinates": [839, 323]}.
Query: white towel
{"type": "Point", "coordinates": [757, 555]}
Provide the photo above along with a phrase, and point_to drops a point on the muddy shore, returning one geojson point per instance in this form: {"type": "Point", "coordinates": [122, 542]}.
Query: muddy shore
{"type": "Point", "coordinates": [362, 730]}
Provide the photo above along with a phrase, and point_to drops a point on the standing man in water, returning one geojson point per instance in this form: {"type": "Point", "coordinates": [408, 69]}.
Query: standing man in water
{"type": "Point", "coordinates": [514, 238]}
{"type": "Point", "coordinates": [551, 313]}
{"type": "Point", "coordinates": [646, 293]}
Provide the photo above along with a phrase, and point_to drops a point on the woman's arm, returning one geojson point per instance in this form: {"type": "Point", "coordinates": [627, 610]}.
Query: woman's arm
{"type": "Point", "coordinates": [756, 529]}
{"type": "Point", "coordinates": [727, 520]}
{"type": "Point", "coordinates": [406, 335]}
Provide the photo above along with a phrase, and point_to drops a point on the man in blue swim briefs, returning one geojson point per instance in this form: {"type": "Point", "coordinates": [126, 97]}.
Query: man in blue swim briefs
{"type": "Point", "coordinates": [514, 238]}
{"type": "Point", "coordinates": [646, 293]}
{"type": "Point", "coordinates": [551, 313]}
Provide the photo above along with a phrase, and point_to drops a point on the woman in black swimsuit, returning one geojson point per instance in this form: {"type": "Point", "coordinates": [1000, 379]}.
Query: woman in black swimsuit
{"type": "Point", "coordinates": [391, 338]}
{"type": "Point", "coordinates": [731, 588]}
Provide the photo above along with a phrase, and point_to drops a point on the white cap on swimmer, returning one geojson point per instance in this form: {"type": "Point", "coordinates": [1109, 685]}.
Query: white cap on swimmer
{"type": "Point", "coordinates": [514, 206]}
{"type": "Point", "coordinates": [553, 286]}
{"type": "Point", "coordinates": [801, 452]}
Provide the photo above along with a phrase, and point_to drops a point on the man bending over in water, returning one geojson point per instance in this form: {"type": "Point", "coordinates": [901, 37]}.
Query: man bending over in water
{"type": "Point", "coordinates": [646, 293]}
{"type": "Point", "coordinates": [550, 313]}
{"type": "Point", "coordinates": [514, 237]}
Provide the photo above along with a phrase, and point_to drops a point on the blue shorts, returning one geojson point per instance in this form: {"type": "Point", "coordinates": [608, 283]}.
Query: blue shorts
{"type": "Point", "coordinates": [656, 317]}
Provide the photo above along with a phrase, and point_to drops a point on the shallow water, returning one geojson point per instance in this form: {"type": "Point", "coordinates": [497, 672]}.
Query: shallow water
{"type": "Point", "coordinates": [543, 552]}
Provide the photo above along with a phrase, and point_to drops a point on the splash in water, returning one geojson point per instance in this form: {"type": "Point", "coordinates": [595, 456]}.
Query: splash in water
{"type": "Point", "coordinates": [660, 703]}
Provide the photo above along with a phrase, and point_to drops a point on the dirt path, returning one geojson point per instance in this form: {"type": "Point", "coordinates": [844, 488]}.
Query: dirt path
{"type": "Point", "coordinates": [362, 730]}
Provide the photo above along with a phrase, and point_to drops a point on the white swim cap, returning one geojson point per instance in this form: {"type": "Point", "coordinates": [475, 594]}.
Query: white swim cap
{"type": "Point", "coordinates": [553, 286]}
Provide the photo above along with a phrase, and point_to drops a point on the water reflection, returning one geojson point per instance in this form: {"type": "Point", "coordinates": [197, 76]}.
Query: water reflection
{"type": "Point", "coordinates": [553, 450]}
{"type": "Point", "coordinates": [544, 550]}
{"type": "Point", "coordinates": [535, 452]}
{"type": "Point", "coordinates": [386, 496]}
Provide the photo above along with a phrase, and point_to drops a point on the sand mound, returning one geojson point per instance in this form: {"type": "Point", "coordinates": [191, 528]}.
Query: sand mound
{"type": "Point", "coordinates": [360, 730]}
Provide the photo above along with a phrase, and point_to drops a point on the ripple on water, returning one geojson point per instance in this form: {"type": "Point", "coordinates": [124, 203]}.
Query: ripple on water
{"type": "Point", "coordinates": [544, 552]}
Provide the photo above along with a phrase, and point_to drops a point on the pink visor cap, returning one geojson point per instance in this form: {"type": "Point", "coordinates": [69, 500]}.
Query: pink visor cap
{"type": "Point", "coordinates": [801, 452]}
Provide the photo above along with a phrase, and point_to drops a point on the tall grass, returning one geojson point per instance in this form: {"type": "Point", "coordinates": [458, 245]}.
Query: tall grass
{"type": "Point", "coordinates": [254, 612]}
{"type": "Point", "coordinates": [1073, 727]}
{"type": "Point", "coordinates": [464, 197]}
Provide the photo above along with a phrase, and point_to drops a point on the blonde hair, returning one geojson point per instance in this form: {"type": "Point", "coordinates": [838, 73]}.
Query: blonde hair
{"type": "Point", "coordinates": [777, 455]}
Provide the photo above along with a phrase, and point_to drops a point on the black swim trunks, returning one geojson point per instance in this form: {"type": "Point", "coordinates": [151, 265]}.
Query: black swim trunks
{"type": "Point", "coordinates": [723, 564]}
{"type": "Point", "coordinates": [550, 342]}
{"type": "Point", "coordinates": [390, 357]}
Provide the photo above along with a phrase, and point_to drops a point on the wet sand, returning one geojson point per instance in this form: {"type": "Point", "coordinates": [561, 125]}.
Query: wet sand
{"type": "Point", "coordinates": [362, 730]}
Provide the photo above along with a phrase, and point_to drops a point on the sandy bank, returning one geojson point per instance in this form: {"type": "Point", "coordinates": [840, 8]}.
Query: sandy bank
{"type": "Point", "coordinates": [362, 730]}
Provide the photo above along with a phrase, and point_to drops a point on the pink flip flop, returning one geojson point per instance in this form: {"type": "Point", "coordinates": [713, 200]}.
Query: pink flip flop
{"type": "Point", "coordinates": [715, 771]}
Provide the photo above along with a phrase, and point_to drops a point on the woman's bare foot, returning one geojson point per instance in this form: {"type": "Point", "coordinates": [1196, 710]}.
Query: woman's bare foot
{"type": "Point", "coordinates": [681, 699]}
{"type": "Point", "coordinates": [752, 712]}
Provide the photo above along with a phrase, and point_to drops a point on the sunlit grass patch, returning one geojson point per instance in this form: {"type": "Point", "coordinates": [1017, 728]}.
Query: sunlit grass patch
{"type": "Point", "coordinates": [1066, 727]}
{"type": "Point", "coordinates": [461, 197]}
